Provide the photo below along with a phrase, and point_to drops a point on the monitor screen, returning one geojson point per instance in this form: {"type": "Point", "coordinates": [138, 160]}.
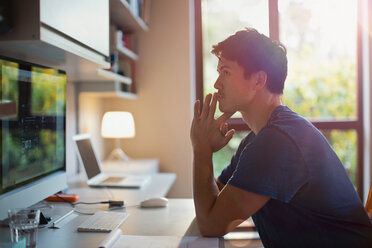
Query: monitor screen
{"type": "Point", "coordinates": [32, 121]}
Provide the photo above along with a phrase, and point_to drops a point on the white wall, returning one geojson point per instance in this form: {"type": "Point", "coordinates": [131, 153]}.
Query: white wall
{"type": "Point", "coordinates": [88, 120]}
{"type": "Point", "coordinates": [90, 116]}
{"type": "Point", "coordinates": [162, 111]}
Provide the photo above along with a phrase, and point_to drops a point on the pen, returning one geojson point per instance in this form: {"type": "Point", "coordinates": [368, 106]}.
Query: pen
{"type": "Point", "coordinates": [61, 218]}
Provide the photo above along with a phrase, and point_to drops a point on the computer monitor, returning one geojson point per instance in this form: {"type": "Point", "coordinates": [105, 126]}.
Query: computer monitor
{"type": "Point", "coordinates": [32, 133]}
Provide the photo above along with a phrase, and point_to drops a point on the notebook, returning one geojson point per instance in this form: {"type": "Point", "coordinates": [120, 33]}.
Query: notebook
{"type": "Point", "coordinates": [92, 165]}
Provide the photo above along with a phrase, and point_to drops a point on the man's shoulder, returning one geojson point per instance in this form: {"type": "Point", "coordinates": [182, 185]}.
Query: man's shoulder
{"type": "Point", "coordinates": [293, 126]}
{"type": "Point", "coordinates": [283, 116]}
{"type": "Point", "coordinates": [274, 141]}
{"type": "Point", "coordinates": [272, 133]}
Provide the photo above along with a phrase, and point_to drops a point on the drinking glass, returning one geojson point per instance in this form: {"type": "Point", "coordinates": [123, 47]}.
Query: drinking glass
{"type": "Point", "coordinates": [24, 223]}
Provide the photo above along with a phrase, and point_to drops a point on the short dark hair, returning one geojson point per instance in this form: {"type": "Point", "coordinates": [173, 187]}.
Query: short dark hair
{"type": "Point", "coordinates": [255, 52]}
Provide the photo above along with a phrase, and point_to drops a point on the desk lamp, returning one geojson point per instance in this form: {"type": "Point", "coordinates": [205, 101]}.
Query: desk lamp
{"type": "Point", "coordinates": [118, 124]}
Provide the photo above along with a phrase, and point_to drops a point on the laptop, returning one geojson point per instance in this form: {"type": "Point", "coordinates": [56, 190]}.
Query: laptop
{"type": "Point", "coordinates": [96, 177]}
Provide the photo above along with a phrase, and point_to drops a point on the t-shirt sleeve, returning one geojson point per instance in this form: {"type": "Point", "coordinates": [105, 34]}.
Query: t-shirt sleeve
{"type": "Point", "coordinates": [271, 165]}
{"type": "Point", "coordinates": [229, 170]}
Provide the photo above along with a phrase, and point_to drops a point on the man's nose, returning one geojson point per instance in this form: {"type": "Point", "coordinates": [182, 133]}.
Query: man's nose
{"type": "Point", "coordinates": [217, 83]}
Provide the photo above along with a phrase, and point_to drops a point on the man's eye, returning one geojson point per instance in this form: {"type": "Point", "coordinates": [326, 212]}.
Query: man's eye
{"type": "Point", "coordinates": [225, 73]}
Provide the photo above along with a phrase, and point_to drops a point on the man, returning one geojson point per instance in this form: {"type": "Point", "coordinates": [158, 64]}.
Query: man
{"type": "Point", "coordinates": [284, 173]}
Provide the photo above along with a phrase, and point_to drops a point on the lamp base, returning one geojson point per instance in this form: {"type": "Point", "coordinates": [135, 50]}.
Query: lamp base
{"type": "Point", "coordinates": [118, 154]}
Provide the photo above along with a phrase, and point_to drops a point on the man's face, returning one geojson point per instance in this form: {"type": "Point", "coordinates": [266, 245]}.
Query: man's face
{"type": "Point", "coordinates": [235, 92]}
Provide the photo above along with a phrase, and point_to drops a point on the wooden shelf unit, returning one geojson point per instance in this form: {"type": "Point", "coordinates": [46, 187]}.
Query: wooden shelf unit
{"type": "Point", "coordinates": [108, 83]}
{"type": "Point", "coordinates": [123, 17]}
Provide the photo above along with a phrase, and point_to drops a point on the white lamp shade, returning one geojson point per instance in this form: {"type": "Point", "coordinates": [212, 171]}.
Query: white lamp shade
{"type": "Point", "coordinates": [117, 124]}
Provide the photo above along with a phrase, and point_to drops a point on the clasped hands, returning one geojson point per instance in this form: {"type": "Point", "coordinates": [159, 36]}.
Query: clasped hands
{"type": "Point", "coordinates": [208, 134]}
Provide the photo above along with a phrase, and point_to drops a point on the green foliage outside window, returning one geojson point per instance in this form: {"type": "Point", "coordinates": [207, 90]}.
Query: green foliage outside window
{"type": "Point", "coordinates": [9, 75]}
{"type": "Point", "coordinates": [48, 84]}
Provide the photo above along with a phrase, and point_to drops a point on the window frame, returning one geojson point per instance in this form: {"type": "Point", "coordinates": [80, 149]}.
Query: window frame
{"type": "Point", "coordinates": [343, 125]}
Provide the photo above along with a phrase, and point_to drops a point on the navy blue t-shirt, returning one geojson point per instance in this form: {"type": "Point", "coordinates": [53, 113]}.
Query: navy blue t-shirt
{"type": "Point", "coordinates": [313, 202]}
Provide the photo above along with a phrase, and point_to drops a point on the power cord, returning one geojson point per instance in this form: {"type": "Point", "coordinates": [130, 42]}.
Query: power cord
{"type": "Point", "coordinates": [113, 204]}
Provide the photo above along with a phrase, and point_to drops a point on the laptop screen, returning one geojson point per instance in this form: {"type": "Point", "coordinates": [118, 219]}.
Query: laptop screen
{"type": "Point", "coordinates": [88, 157]}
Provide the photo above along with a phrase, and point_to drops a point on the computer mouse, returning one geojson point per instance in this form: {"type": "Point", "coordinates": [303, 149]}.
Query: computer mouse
{"type": "Point", "coordinates": [156, 202]}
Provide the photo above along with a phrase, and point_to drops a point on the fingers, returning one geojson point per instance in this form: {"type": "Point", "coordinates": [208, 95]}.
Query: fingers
{"type": "Point", "coordinates": [223, 128]}
{"type": "Point", "coordinates": [230, 133]}
{"type": "Point", "coordinates": [212, 109]}
{"type": "Point", "coordinates": [209, 109]}
{"type": "Point", "coordinates": [228, 136]}
{"type": "Point", "coordinates": [224, 117]}
{"type": "Point", "coordinates": [206, 106]}
{"type": "Point", "coordinates": [197, 109]}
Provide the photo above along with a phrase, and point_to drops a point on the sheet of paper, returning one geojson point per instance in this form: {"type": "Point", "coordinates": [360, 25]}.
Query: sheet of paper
{"type": "Point", "coordinates": [129, 241]}
{"type": "Point", "coordinates": [111, 239]}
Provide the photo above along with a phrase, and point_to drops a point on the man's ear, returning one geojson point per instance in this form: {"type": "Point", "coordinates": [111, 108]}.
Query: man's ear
{"type": "Point", "coordinates": [261, 79]}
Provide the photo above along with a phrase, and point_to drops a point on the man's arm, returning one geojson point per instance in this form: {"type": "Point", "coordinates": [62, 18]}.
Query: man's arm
{"type": "Point", "coordinates": [217, 211]}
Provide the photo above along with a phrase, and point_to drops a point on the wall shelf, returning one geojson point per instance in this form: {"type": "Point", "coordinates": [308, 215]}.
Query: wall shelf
{"type": "Point", "coordinates": [127, 53]}
{"type": "Point", "coordinates": [104, 89]}
{"type": "Point", "coordinates": [123, 17]}
{"type": "Point", "coordinates": [127, 95]}
{"type": "Point", "coordinates": [108, 83]}
{"type": "Point", "coordinates": [112, 76]}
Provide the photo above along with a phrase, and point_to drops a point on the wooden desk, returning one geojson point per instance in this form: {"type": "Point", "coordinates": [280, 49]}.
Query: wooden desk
{"type": "Point", "coordinates": [158, 186]}
{"type": "Point", "coordinates": [67, 236]}
{"type": "Point", "coordinates": [135, 166]}
{"type": "Point", "coordinates": [178, 219]}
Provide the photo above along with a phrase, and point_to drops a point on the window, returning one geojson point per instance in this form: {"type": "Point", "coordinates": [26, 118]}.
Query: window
{"type": "Point", "coordinates": [221, 20]}
{"type": "Point", "coordinates": [320, 37]}
{"type": "Point", "coordinates": [323, 82]}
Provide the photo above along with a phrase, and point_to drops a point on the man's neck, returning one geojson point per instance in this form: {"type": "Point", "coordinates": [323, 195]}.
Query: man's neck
{"type": "Point", "coordinates": [258, 113]}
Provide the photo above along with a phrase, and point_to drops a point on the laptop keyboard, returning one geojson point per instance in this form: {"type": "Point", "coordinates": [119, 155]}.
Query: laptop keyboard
{"type": "Point", "coordinates": [113, 180]}
{"type": "Point", "coordinates": [103, 221]}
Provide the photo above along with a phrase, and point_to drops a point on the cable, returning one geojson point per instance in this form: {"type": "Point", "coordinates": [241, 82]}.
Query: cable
{"type": "Point", "coordinates": [112, 203]}
{"type": "Point", "coordinates": [86, 213]}
{"type": "Point", "coordinates": [88, 203]}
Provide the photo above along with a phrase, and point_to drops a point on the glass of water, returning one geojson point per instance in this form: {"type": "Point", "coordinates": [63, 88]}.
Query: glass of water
{"type": "Point", "coordinates": [24, 223]}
